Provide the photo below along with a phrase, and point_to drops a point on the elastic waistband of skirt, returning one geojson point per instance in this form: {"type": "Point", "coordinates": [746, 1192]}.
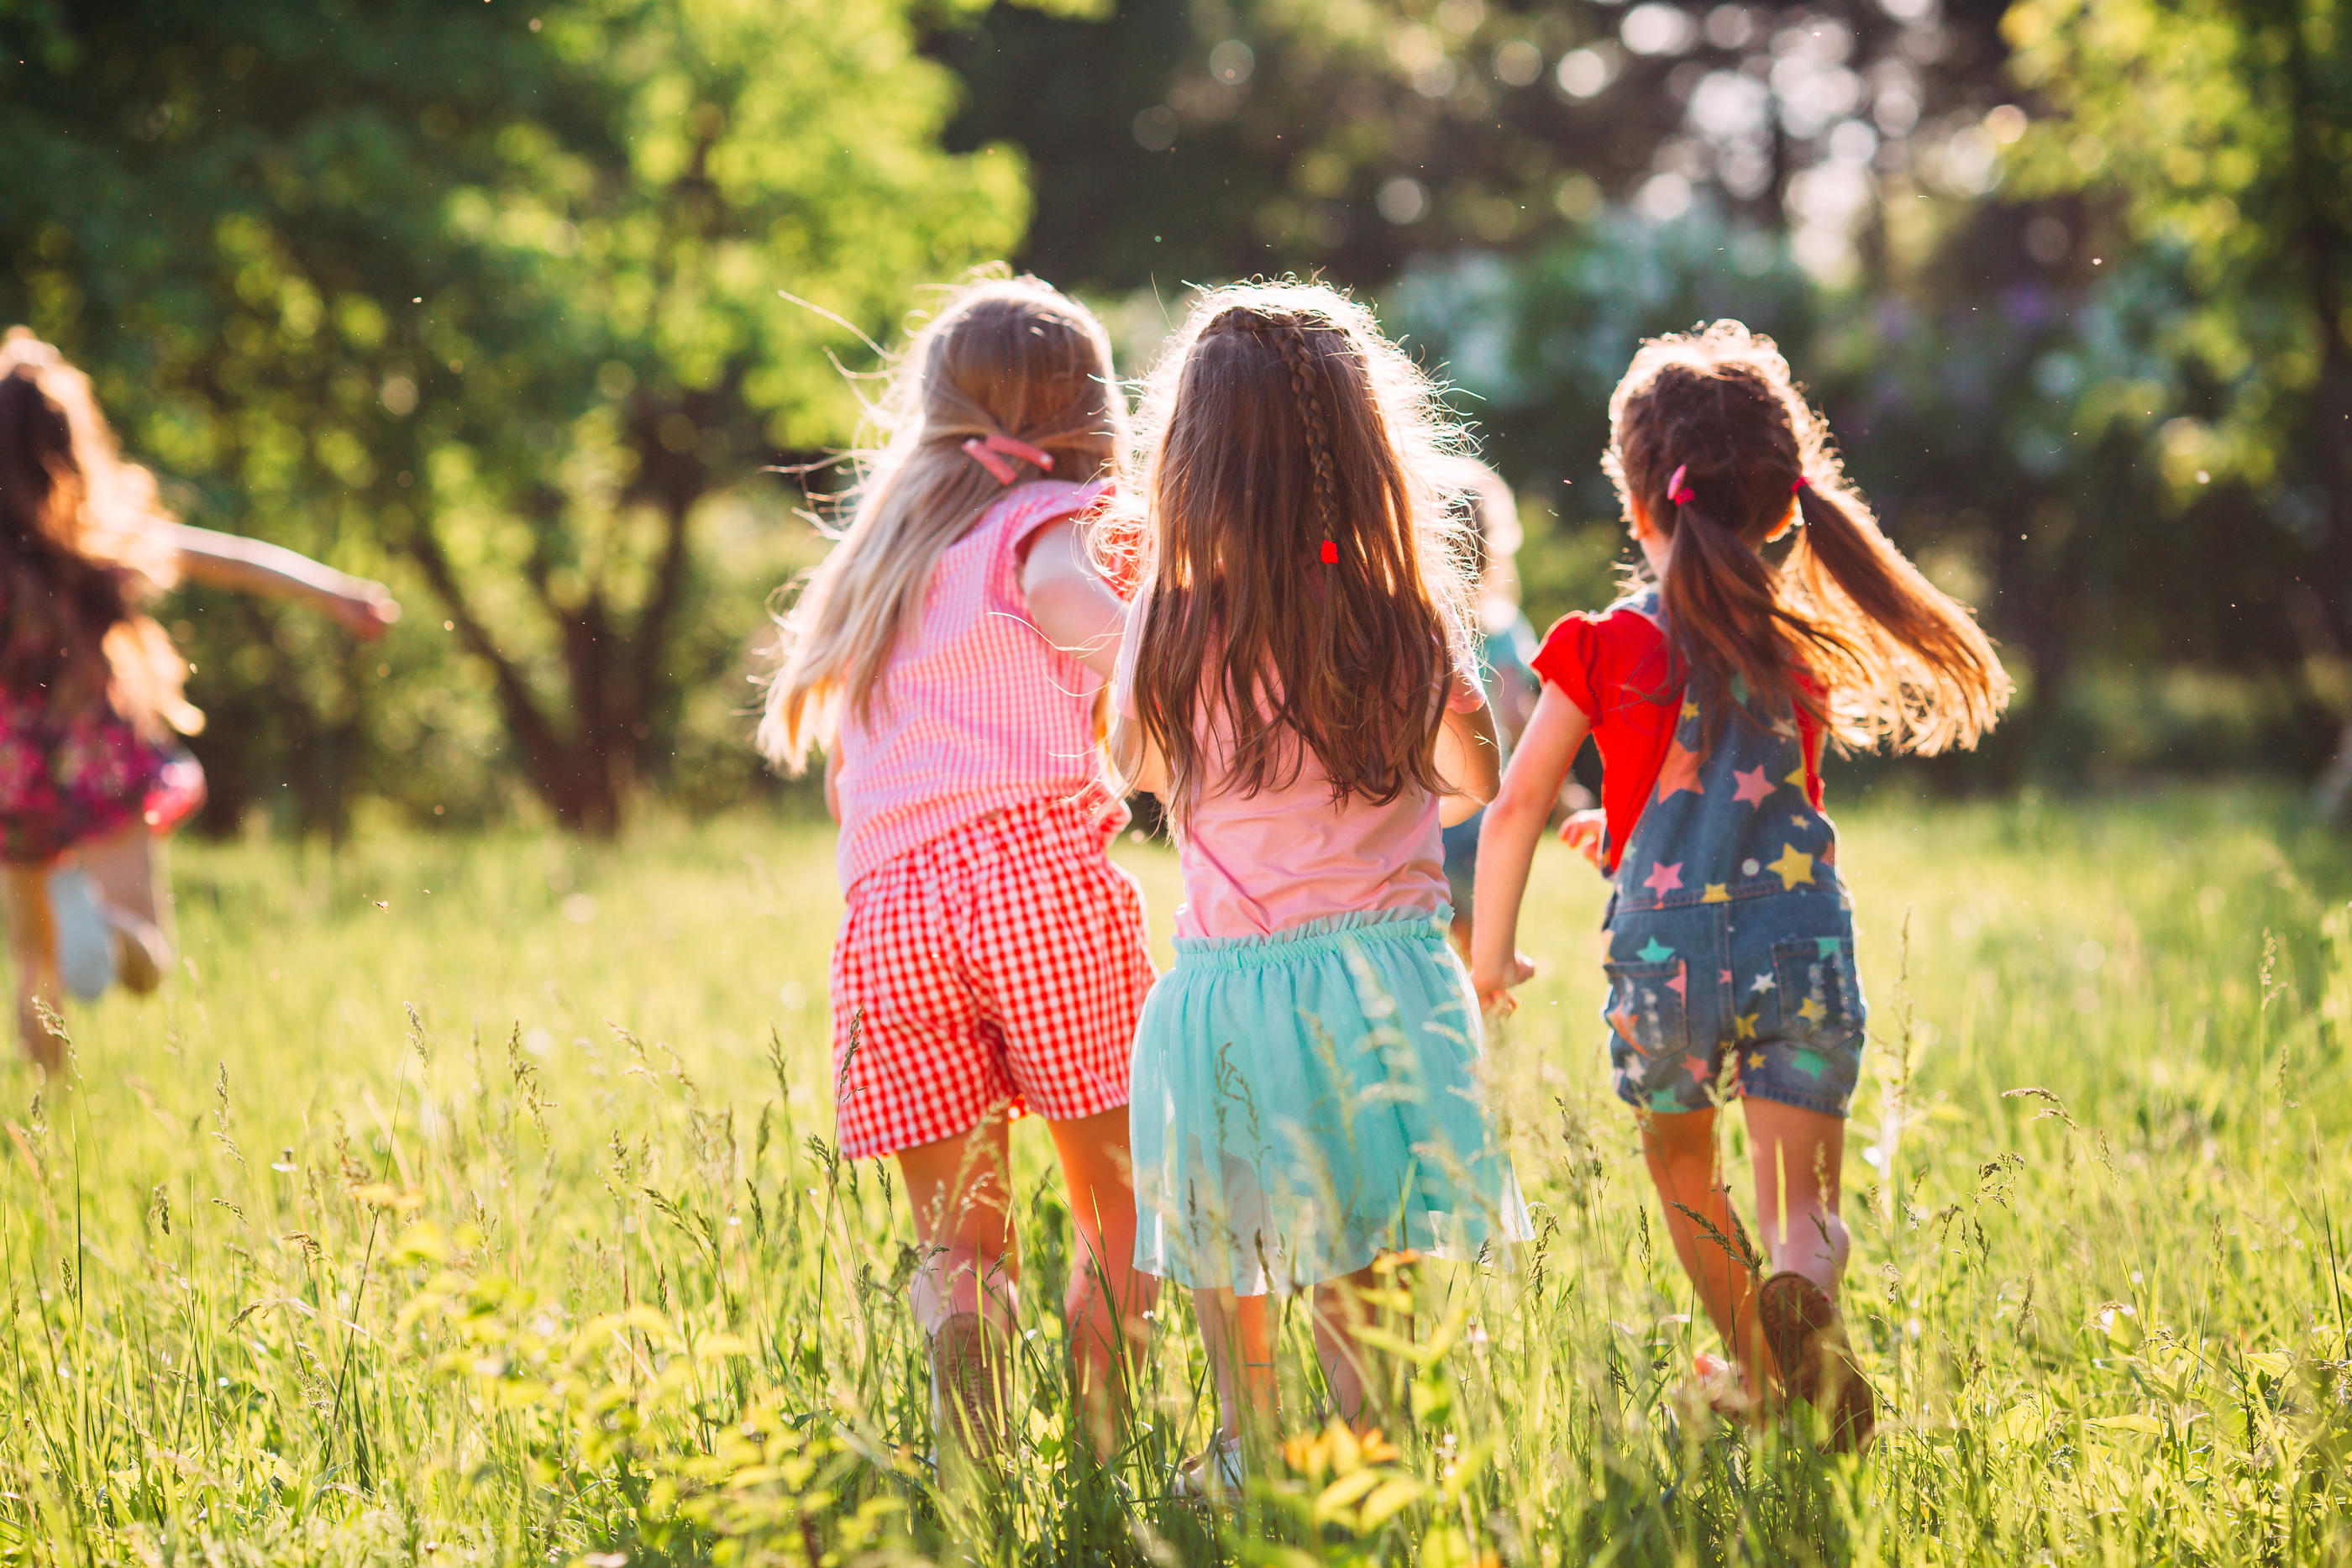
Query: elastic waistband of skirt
{"type": "Point", "coordinates": [1314, 939]}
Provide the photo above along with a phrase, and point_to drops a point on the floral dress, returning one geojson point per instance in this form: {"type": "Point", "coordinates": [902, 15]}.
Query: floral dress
{"type": "Point", "coordinates": [66, 779]}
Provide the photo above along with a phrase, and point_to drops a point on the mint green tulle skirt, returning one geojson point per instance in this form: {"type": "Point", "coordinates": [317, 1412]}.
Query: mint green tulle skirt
{"type": "Point", "coordinates": [1305, 1100]}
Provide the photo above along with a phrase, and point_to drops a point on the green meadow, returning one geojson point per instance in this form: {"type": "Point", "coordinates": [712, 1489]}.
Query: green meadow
{"type": "Point", "coordinates": [470, 1200]}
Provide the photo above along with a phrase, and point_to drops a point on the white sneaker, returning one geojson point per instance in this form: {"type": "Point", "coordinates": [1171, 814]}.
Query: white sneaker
{"type": "Point", "coordinates": [1217, 1474]}
{"type": "Point", "coordinates": [85, 942]}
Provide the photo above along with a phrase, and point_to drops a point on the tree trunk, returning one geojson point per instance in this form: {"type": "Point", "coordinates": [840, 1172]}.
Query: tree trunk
{"type": "Point", "coordinates": [586, 765]}
{"type": "Point", "coordinates": [2326, 251]}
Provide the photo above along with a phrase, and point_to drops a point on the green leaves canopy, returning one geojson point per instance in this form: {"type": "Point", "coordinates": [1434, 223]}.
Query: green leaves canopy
{"type": "Point", "coordinates": [492, 292]}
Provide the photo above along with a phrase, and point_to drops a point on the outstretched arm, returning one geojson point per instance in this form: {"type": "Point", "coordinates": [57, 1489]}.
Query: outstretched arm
{"type": "Point", "coordinates": [252, 566]}
{"type": "Point", "coordinates": [1507, 841]}
{"type": "Point", "coordinates": [1069, 599]}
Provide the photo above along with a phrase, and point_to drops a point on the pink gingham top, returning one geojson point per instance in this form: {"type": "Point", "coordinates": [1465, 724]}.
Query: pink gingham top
{"type": "Point", "coordinates": [977, 710]}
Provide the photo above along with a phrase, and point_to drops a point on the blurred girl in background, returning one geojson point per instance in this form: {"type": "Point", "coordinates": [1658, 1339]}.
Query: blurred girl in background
{"type": "Point", "coordinates": [1298, 684]}
{"type": "Point", "coordinates": [1506, 643]}
{"type": "Point", "coordinates": [90, 698]}
{"type": "Point", "coordinates": [947, 656]}
{"type": "Point", "coordinates": [1731, 945]}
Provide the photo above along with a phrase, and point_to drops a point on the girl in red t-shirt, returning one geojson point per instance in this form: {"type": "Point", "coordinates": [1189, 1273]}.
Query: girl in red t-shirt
{"type": "Point", "coordinates": [1731, 955]}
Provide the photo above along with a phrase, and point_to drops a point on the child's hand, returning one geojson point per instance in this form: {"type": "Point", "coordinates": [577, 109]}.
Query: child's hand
{"type": "Point", "coordinates": [1495, 990]}
{"type": "Point", "coordinates": [1581, 832]}
{"type": "Point", "coordinates": [366, 611]}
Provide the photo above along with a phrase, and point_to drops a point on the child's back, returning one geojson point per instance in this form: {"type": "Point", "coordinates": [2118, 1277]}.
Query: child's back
{"type": "Point", "coordinates": [948, 653]}
{"type": "Point", "coordinates": [1731, 944]}
{"type": "Point", "coordinates": [975, 711]}
{"type": "Point", "coordinates": [1305, 1094]}
{"type": "Point", "coordinates": [1296, 849]}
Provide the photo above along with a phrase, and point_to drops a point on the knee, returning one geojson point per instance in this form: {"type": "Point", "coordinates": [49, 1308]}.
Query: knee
{"type": "Point", "coordinates": [1680, 1138]}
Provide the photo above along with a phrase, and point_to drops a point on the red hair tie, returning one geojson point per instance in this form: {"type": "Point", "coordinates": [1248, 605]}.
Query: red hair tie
{"type": "Point", "coordinates": [984, 451]}
{"type": "Point", "coordinates": [1802, 482]}
{"type": "Point", "coordinates": [1680, 493]}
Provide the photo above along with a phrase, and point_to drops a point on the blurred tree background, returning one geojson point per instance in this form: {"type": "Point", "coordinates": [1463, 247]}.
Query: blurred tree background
{"type": "Point", "coordinates": [486, 299]}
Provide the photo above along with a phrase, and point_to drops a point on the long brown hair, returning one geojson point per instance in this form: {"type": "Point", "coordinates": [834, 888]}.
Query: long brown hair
{"type": "Point", "coordinates": [1888, 658]}
{"type": "Point", "coordinates": [81, 547]}
{"type": "Point", "coordinates": [1308, 590]}
{"type": "Point", "coordinates": [1009, 357]}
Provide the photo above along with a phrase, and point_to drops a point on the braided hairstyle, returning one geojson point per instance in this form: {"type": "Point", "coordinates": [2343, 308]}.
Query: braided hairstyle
{"type": "Point", "coordinates": [1714, 443]}
{"type": "Point", "coordinates": [1308, 595]}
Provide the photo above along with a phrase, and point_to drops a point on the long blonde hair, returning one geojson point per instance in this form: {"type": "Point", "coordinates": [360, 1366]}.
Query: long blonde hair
{"type": "Point", "coordinates": [1009, 357]}
{"type": "Point", "coordinates": [82, 550]}
{"type": "Point", "coordinates": [1310, 589]}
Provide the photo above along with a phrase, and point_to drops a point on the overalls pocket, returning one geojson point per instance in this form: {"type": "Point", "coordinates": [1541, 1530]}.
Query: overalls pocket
{"type": "Point", "coordinates": [1820, 999]}
{"type": "Point", "coordinates": [1648, 1006]}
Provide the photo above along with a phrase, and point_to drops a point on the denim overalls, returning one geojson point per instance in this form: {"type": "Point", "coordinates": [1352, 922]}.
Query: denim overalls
{"type": "Point", "coordinates": [1730, 936]}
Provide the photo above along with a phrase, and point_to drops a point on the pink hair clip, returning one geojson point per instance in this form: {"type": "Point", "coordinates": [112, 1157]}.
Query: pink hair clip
{"type": "Point", "coordinates": [984, 451]}
{"type": "Point", "coordinates": [1801, 484]}
{"type": "Point", "coordinates": [1680, 493]}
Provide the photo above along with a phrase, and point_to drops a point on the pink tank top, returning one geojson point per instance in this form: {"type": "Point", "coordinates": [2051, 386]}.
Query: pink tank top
{"type": "Point", "coordinates": [977, 711]}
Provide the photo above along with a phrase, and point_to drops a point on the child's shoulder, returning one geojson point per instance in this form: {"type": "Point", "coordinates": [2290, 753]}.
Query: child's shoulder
{"type": "Point", "coordinates": [1008, 523]}
{"type": "Point", "coordinates": [1636, 618]}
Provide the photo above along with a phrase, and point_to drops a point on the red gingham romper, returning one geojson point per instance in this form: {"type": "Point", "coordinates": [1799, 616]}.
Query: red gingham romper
{"type": "Point", "coordinates": [991, 955]}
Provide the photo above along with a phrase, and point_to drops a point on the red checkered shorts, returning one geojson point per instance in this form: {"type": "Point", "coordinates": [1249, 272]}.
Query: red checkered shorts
{"type": "Point", "coordinates": [1003, 962]}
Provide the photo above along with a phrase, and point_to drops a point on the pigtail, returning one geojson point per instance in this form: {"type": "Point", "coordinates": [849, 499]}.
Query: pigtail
{"type": "Point", "coordinates": [1940, 683]}
{"type": "Point", "coordinates": [1724, 616]}
{"type": "Point", "coordinates": [1711, 437]}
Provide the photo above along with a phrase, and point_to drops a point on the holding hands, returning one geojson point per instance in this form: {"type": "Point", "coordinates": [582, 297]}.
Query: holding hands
{"type": "Point", "coordinates": [1581, 832]}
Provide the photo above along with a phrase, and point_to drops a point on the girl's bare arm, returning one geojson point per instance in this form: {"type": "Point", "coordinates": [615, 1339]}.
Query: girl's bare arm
{"type": "Point", "coordinates": [1470, 762]}
{"type": "Point", "coordinates": [1069, 599]}
{"type": "Point", "coordinates": [1138, 761]}
{"type": "Point", "coordinates": [1507, 838]}
{"type": "Point", "coordinates": [253, 566]}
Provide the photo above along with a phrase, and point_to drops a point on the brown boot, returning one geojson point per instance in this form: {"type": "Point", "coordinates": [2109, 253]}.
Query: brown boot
{"type": "Point", "coordinates": [969, 1361]}
{"type": "Point", "coordinates": [1816, 1363]}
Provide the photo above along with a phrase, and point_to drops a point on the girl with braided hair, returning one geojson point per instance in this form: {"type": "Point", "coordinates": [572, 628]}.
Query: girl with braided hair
{"type": "Point", "coordinates": [1710, 691]}
{"type": "Point", "coordinates": [1297, 684]}
{"type": "Point", "coordinates": [91, 704]}
{"type": "Point", "coordinates": [947, 656]}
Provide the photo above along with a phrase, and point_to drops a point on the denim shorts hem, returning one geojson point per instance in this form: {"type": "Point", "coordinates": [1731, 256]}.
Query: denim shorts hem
{"type": "Point", "coordinates": [1825, 1104]}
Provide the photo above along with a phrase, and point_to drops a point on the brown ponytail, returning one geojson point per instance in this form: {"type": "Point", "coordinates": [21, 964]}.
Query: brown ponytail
{"type": "Point", "coordinates": [1924, 678]}
{"type": "Point", "coordinates": [1713, 441]}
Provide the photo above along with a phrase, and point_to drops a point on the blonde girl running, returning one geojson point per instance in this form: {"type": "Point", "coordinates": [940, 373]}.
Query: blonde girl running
{"type": "Point", "coordinates": [947, 657]}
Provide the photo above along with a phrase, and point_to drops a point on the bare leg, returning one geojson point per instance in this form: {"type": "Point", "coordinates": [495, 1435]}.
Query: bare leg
{"type": "Point", "coordinates": [1108, 1295]}
{"type": "Point", "coordinates": [1342, 1306]}
{"type": "Point", "coordinates": [1238, 1332]}
{"type": "Point", "coordinates": [960, 1191]}
{"type": "Point", "coordinates": [33, 945]}
{"type": "Point", "coordinates": [1800, 1156]}
{"type": "Point", "coordinates": [1680, 1147]}
{"type": "Point", "coordinates": [127, 867]}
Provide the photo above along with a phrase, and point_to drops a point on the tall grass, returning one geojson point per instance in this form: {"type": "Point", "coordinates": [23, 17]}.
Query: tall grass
{"type": "Point", "coordinates": [472, 1201]}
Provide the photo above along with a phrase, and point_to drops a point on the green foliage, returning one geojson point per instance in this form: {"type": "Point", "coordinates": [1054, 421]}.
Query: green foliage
{"type": "Point", "coordinates": [2001, 433]}
{"type": "Point", "coordinates": [1185, 143]}
{"type": "Point", "coordinates": [2247, 178]}
{"type": "Point", "coordinates": [485, 298]}
{"type": "Point", "coordinates": [559, 1265]}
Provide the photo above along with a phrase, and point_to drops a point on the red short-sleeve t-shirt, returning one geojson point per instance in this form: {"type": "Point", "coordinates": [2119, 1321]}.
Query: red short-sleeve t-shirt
{"type": "Point", "coordinates": [1617, 668]}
